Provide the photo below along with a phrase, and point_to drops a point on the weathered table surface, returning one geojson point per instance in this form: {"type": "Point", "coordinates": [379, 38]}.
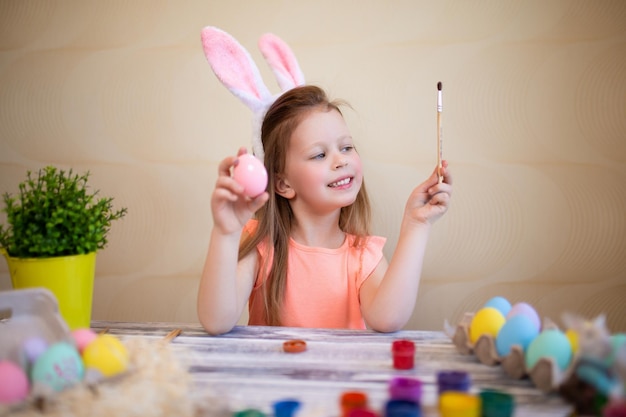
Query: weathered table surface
{"type": "Point", "coordinates": [248, 368]}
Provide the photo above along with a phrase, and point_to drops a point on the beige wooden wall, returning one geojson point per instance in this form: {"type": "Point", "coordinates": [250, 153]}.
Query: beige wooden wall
{"type": "Point", "coordinates": [534, 125]}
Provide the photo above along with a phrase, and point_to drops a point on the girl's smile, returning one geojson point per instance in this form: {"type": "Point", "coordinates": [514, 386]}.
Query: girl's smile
{"type": "Point", "coordinates": [342, 183]}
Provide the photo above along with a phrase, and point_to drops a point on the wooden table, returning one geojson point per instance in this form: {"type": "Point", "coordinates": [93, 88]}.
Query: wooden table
{"type": "Point", "coordinates": [249, 369]}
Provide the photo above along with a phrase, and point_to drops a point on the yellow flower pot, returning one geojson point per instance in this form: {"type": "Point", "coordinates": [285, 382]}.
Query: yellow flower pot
{"type": "Point", "coordinates": [69, 278]}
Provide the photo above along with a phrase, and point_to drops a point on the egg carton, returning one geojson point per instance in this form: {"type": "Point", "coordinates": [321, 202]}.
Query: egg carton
{"type": "Point", "coordinates": [31, 312]}
{"type": "Point", "coordinates": [155, 376]}
{"type": "Point", "coordinates": [34, 313]}
{"type": "Point", "coordinates": [546, 375]}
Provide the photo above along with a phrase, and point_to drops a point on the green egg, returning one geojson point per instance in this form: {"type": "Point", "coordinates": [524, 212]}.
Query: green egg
{"type": "Point", "coordinates": [59, 367]}
{"type": "Point", "coordinates": [617, 341]}
{"type": "Point", "coordinates": [551, 343]}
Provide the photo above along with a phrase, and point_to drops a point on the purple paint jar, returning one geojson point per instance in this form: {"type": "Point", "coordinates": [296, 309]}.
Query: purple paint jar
{"type": "Point", "coordinates": [453, 381]}
{"type": "Point", "coordinates": [405, 388]}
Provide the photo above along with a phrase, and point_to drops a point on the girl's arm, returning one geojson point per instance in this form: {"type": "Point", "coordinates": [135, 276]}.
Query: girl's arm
{"type": "Point", "coordinates": [388, 296]}
{"type": "Point", "coordinates": [226, 284]}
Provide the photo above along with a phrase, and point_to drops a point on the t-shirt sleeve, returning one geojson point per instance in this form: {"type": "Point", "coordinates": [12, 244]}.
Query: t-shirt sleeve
{"type": "Point", "coordinates": [251, 226]}
{"type": "Point", "coordinates": [249, 230]}
{"type": "Point", "coordinates": [370, 256]}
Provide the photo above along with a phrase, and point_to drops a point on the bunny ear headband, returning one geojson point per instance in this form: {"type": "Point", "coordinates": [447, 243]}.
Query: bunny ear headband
{"type": "Point", "coordinates": [234, 67]}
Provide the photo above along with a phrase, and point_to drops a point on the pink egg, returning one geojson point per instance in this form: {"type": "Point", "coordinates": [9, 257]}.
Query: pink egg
{"type": "Point", "coordinates": [83, 337]}
{"type": "Point", "coordinates": [251, 174]}
{"type": "Point", "coordinates": [14, 384]}
{"type": "Point", "coordinates": [527, 310]}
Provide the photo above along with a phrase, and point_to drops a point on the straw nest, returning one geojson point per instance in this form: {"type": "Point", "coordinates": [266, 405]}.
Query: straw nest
{"type": "Point", "coordinates": [156, 384]}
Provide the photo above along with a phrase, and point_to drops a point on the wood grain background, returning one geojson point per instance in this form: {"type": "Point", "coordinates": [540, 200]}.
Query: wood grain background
{"type": "Point", "coordinates": [534, 129]}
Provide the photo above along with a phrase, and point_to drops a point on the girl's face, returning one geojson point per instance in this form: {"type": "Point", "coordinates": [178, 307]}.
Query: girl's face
{"type": "Point", "coordinates": [323, 171]}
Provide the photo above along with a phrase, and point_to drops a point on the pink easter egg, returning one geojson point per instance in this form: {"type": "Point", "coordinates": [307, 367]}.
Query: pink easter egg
{"type": "Point", "coordinates": [527, 310]}
{"type": "Point", "coordinates": [251, 174]}
{"type": "Point", "coordinates": [14, 386]}
{"type": "Point", "coordinates": [83, 337]}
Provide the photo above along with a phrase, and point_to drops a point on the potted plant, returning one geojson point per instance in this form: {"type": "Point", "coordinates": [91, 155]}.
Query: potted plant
{"type": "Point", "coordinates": [54, 227]}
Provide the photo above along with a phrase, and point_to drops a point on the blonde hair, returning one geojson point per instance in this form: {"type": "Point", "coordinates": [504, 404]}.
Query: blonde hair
{"type": "Point", "coordinates": [275, 218]}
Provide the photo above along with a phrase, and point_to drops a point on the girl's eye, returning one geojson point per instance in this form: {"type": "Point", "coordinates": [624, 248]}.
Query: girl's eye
{"type": "Point", "coordinates": [348, 148]}
{"type": "Point", "coordinates": [319, 156]}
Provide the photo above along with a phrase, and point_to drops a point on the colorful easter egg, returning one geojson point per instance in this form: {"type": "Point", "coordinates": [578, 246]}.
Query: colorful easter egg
{"type": "Point", "coordinates": [618, 341]}
{"type": "Point", "coordinates": [486, 321]}
{"type": "Point", "coordinates": [518, 330]}
{"type": "Point", "coordinates": [14, 385]}
{"type": "Point", "coordinates": [551, 343]}
{"type": "Point", "coordinates": [59, 367]}
{"type": "Point", "coordinates": [107, 354]}
{"type": "Point", "coordinates": [572, 336]}
{"type": "Point", "coordinates": [499, 303]}
{"type": "Point", "coordinates": [251, 174]}
{"type": "Point", "coordinates": [83, 337]}
{"type": "Point", "coordinates": [526, 309]}
{"type": "Point", "coordinates": [34, 347]}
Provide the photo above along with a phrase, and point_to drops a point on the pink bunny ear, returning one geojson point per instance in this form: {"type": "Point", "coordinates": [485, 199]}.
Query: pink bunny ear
{"type": "Point", "coordinates": [282, 61]}
{"type": "Point", "coordinates": [234, 67]}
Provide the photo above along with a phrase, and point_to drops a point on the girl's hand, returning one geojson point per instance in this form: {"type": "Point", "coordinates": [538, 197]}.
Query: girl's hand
{"type": "Point", "coordinates": [430, 200]}
{"type": "Point", "coordinates": [230, 207]}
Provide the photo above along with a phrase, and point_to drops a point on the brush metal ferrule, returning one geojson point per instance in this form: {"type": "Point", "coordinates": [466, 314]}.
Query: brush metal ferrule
{"type": "Point", "coordinates": [439, 101]}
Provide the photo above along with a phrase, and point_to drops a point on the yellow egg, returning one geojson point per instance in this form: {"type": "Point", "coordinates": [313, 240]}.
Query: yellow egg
{"type": "Point", "coordinates": [572, 336]}
{"type": "Point", "coordinates": [107, 354]}
{"type": "Point", "coordinates": [486, 321]}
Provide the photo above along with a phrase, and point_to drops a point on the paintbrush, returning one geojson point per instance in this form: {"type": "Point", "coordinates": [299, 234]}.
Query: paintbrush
{"type": "Point", "coordinates": [439, 131]}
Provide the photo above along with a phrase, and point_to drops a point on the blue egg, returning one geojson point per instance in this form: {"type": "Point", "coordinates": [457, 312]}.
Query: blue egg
{"type": "Point", "coordinates": [499, 303]}
{"type": "Point", "coordinates": [550, 343]}
{"type": "Point", "coordinates": [518, 330]}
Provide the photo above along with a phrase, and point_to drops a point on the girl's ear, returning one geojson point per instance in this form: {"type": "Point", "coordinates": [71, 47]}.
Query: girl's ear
{"type": "Point", "coordinates": [283, 188]}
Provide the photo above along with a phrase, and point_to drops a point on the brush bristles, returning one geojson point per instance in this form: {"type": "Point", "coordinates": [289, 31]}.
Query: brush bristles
{"type": "Point", "coordinates": [439, 86]}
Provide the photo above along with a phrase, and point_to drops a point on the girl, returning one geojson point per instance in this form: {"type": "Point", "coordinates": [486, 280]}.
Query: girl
{"type": "Point", "coordinates": [307, 258]}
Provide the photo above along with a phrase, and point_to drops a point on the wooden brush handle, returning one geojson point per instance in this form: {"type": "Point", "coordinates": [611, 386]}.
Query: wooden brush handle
{"type": "Point", "coordinates": [439, 147]}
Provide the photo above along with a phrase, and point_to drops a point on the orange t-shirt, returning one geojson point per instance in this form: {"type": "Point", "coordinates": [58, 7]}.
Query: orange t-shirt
{"type": "Point", "coordinates": [323, 285]}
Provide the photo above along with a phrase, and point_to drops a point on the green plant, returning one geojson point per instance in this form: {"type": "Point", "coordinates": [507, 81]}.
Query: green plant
{"type": "Point", "coordinates": [56, 215]}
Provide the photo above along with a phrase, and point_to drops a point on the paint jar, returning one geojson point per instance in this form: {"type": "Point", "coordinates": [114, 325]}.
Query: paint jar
{"type": "Point", "coordinates": [352, 400]}
{"type": "Point", "coordinates": [286, 408]}
{"type": "Point", "coordinates": [459, 404]}
{"type": "Point", "coordinates": [453, 381]}
{"type": "Point", "coordinates": [403, 353]}
{"type": "Point", "coordinates": [249, 412]}
{"type": "Point", "coordinates": [496, 403]}
{"type": "Point", "coordinates": [402, 408]}
{"type": "Point", "coordinates": [405, 388]}
{"type": "Point", "coordinates": [362, 412]}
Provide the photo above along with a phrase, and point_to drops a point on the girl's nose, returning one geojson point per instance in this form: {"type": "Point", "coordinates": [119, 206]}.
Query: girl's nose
{"type": "Point", "coordinates": [341, 162]}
